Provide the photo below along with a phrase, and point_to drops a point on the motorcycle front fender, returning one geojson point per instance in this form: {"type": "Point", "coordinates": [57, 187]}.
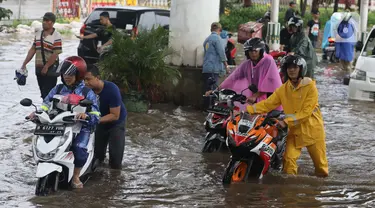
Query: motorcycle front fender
{"type": "Point", "coordinates": [44, 169]}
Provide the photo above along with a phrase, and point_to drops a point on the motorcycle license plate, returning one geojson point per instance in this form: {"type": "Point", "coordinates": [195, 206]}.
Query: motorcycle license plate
{"type": "Point", "coordinates": [219, 110]}
{"type": "Point", "coordinates": [330, 48]}
{"type": "Point", "coordinates": [51, 130]}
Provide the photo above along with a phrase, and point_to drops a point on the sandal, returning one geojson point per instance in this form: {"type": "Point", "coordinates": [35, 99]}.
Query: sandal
{"type": "Point", "coordinates": [77, 185]}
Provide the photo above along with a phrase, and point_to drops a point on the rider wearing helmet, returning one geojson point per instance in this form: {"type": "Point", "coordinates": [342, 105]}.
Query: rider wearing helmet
{"type": "Point", "coordinates": [73, 70]}
{"type": "Point", "coordinates": [300, 45]}
{"type": "Point", "coordinates": [299, 99]}
{"type": "Point", "coordinates": [259, 69]}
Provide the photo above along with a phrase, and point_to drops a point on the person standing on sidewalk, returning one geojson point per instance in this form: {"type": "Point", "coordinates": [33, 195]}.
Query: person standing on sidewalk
{"type": "Point", "coordinates": [214, 58]}
{"type": "Point", "coordinates": [46, 47]}
{"type": "Point", "coordinates": [291, 12]}
{"type": "Point", "coordinates": [111, 128]}
{"type": "Point", "coordinates": [313, 27]}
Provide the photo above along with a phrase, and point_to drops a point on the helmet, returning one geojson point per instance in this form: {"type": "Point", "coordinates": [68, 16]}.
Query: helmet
{"type": "Point", "coordinates": [298, 22]}
{"type": "Point", "coordinates": [267, 15]}
{"type": "Point", "coordinates": [254, 44]}
{"type": "Point", "coordinates": [73, 65]}
{"type": "Point", "coordinates": [296, 60]}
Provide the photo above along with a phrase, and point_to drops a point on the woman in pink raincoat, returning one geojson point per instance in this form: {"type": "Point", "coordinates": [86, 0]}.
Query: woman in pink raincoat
{"type": "Point", "coordinates": [259, 69]}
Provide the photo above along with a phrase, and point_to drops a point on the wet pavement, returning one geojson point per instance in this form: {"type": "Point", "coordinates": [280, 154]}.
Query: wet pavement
{"type": "Point", "coordinates": [163, 166]}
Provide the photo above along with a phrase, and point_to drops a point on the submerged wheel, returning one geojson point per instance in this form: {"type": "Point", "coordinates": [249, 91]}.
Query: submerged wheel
{"type": "Point", "coordinates": [236, 171]}
{"type": "Point", "coordinates": [239, 172]}
{"type": "Point", "coordinates": [47, 184]}
{"type": "Point", "coordinates": [213, 145]}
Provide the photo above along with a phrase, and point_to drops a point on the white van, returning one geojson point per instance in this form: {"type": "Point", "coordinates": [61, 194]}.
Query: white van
{"type": "Point", "coordinates": [362, 80]}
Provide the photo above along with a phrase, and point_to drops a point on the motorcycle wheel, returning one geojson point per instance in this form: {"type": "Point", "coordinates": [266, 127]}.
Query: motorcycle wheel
{"type": "Point", "coordinates": [47, 184]}
{"type": "Point", "coordinates": [333, 58]}
{"type": "Point", "coordinates": [236, 171]}
{"type": "Point", "coordinates": [213, 145]}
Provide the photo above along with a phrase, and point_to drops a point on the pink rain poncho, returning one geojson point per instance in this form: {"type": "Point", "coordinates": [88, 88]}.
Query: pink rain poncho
{"type": "Point", "coordinates": [264, 75]}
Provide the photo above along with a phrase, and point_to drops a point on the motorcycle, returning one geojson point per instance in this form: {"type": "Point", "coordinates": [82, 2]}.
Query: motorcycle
{"type": "Point", "coordinates": [55, 130]}
{"type": "Point", "coordinates": [256, 143]}
{"type": "Point", "coordinates": [231, 50]}
{"type": "Point", "coordinates": [330, 50]}
{"type": "Point", "coordinates": [278, 56]}
{"type": "Point", "coordinates": [216, 120]}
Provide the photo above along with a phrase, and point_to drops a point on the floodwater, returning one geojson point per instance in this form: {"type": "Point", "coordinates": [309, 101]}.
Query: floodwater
{"type": "Point", "coordinates": [163, 166]}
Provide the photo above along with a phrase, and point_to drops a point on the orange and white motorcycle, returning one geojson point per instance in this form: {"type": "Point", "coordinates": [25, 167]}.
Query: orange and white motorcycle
{"type": "Point", "coordinates": [256, 143]}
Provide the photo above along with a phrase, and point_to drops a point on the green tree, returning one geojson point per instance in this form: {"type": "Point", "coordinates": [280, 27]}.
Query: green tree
{"type": "Point", "coordinates": [5, 13]}
{"type": "Point", "coordinates": [139, 65]}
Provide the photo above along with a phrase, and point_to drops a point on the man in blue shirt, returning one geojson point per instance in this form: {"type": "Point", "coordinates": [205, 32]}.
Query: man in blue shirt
{"type": "Point", "coordinates": [214, 58]}
{"type": "Point", "coordinates": [111, 127]}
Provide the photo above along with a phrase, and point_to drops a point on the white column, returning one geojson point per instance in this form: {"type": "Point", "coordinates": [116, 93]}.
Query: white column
{"type": "Point", "coordinates": [364, 18]}
{"type": "Point", "coordinates": [273, 29]}
{"type": "Point", "coordinates": [190, 25]}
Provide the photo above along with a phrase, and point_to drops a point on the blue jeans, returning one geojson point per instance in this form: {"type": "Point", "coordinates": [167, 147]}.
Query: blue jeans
{"type": "Point", "coordinates": [79, 148]}
{"type": "Point", "coordinates": [207, 101]}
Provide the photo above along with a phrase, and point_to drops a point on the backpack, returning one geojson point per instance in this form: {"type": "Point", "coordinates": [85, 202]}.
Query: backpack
{"type": "Point", "coordinates": [345, 30]}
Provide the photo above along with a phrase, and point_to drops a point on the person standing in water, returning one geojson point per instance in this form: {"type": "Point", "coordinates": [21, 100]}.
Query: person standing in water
{"type": "Point", "coordinates": [299, 99]}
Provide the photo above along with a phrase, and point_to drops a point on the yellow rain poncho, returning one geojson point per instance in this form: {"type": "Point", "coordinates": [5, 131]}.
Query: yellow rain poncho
{"type": "Point", "coordinates": [305, 122]}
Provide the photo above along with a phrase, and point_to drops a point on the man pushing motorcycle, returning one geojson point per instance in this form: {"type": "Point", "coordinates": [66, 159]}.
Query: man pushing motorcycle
{"type": "Point", "coordinates": [299, 99]}
{"type": "Point", "coordinates": [73, 70]}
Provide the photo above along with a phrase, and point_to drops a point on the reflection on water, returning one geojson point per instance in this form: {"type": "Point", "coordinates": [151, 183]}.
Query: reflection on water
{"type": "Point", "coordinates": [163, 166]}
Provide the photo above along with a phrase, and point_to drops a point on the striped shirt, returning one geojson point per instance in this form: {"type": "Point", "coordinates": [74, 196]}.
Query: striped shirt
{"type": "Point", "coordinates": [51, 44]}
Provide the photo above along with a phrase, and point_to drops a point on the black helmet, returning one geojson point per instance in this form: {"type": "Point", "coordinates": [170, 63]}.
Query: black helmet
{"type": "Point", "coordinates": [298, 22]}
{"type": "Point", "coordinates": [293, 60]}
{"type": "Point", "coordinates": [267, 15]}
{"type": "Point", "coordinates": [254, 44]}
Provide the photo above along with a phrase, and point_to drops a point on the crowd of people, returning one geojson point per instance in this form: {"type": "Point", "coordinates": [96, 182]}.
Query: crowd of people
{"type": "Point", "coordinates": [297, 95]}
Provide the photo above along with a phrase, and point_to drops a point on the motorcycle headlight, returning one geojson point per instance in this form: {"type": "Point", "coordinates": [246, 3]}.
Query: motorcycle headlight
{"type": "Point", "coordinates": [358, 75]}
{"type": "Point", "coordinates": [64, 138]}
{"type": "Point", "coordinates": [46, 156]}
{"type": "Point", "coordinates": [223, 97]}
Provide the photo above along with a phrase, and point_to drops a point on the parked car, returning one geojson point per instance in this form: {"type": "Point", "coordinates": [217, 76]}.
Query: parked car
{"type": "Point", "coordinates": [362, 80]}
{"type": "Point", "coordinates": [137, 18]}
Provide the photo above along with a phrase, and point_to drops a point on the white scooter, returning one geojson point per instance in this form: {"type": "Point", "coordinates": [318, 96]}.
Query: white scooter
{"type": "Point", "coordinates": [55, 132]}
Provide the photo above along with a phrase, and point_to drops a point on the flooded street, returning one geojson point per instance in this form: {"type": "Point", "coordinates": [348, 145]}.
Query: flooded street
{"type": "Point", "coordinates": [163, 166]}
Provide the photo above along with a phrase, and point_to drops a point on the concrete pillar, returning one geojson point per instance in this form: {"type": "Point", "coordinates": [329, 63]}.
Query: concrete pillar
{"type": "Point", "coordinates": [364, 18]}
{"type": "Point", "coordinates": [273, 29]}
{"type": "Point", "coordinates": [190, 23]}
{"type": "Point", "coordinates": [273, 34]}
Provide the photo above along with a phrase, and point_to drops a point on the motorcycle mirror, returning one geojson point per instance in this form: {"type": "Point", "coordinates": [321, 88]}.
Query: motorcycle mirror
{"type": "Point", "coordinates": [85, 103]}
{"type": "Point", "coordinates": [253, 88]}
{"type": "Point", "coordinates": [26, 102]}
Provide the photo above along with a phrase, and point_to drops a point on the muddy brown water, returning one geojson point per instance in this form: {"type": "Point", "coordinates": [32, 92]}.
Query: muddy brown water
{"type": "Point", "coordinates": [163, 166]}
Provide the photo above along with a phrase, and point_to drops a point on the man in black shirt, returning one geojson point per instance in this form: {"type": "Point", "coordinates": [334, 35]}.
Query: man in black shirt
{"type": "Point", "coordinates": [290, 12]}
{"type": "Point", "coordinates": [285, 35]}
{"type": "Point", "coordinates": [313, 27]}
{"type": "Point", "coordinates": [104, 34]}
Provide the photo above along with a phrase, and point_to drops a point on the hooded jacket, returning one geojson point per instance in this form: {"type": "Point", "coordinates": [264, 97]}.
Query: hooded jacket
{"type": "Point", "coordinates": [302, 111]}
{"type": "Point", "coordinates": [94, 114]}
{"type": "Point", "coordinates": [300, 44]}
{"type": "Point", "coordinates": [264, 75]}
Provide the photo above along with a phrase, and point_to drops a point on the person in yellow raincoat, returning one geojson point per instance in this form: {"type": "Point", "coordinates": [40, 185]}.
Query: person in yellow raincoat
{"type": "Point", "coordinates": [299, 99]}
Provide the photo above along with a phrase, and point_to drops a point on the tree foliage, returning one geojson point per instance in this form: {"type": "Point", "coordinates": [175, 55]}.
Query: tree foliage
{"type": "Point", "coordinates": [140, 64]}
{"type": "Point", "coordinates": [5, 13]}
